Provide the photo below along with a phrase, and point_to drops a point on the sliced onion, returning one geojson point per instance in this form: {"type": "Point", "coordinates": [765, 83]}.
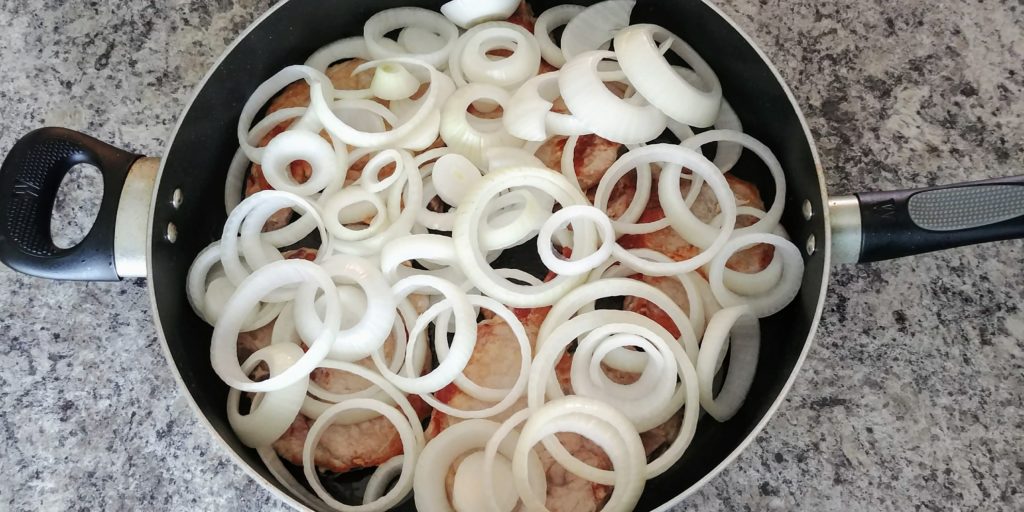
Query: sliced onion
{"type": "Point", "coordinates": [546, 23]}
{"type": "Point", "coordinates": [738, 327]}
{"type": "Point", "coordinates": [503, 158]}
{"type": "Point", "coordinates": [466, 234]}
{"type": "Point", "coordinates": [579, 264]}
{"type": "Point", "coordinates": [420, 39]}
{"type": "Point", "coordinates": [440, 453]}
{"type": "Point", "coordinates": [452, 176]}
{"type": "Point", "coordinates": [774, 214]}
{"type": "Point", "coordinates": [507, 72]}
{"type": "Point", "coordinates": [461, 136]}
{"type": "Point", "coordinates": [370, 333]}
{"type": "Point", "coordinates": [295, 145]}
{"type": "Point", "coordinates": [393, 82]}
{"type": "Point", "coordinates": [410, 449]}
{"type": "Point", "coordinates": [371, 172]}
{"type": "Point", "coordinates": [268, 90]}
{"type": "Point", "coordinates": [603, 112]}
{"type": "Point", "coordinates": [223, 350]}
{"type": "Point", "coordinates": [595, 27]}
{"type": "Point", "coordinates": [380, 24]}
{"type": "Point", "coordinates": [528, 114]}
{"type": "Point", "coordinates": [269, 420]}
{"type": "Point", "coordinates": [780, 296]}
{"type": "Point", "coordinates": [468, 13]}
{"type": "Point", "coordinates": [344, 49]}
{"type": "Point", "coordinates": [627, 222]}
{"type": "Point", "coordinates": [378, 482]}
{"type": "Point", "coordinates": [694, 292]}
{"type": "Point", "coordinates": [598, 422]}
{"type": "Point", "coordinates": [409, 129]}
{"type": "Point", "coordinates": [756, 283]}
{"type": "Point", "coordinates": [461, 347]}
{"type": "Point", "coordinates": [424, 247]}
{"type": "Point", "coordinates": [505, 397]}
{"type": "Point", "coordinates": [636, 48]}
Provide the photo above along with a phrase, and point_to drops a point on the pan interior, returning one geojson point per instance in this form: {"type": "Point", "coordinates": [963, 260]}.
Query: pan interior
{"type": "Point", "coordinates": [205, 142]}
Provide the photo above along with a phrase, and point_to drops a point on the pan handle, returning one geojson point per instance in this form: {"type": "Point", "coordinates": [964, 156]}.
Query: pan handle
{"type": "Point", "coordinates": [875, 226]}
{"type": "Point", "coordinates": [29, 180]}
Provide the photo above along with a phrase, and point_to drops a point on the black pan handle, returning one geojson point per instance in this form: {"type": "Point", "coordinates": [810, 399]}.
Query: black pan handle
{"type": "Point", "coordinates": [908, 222]}
{"type": "Point", "coordinates": [29, 179]}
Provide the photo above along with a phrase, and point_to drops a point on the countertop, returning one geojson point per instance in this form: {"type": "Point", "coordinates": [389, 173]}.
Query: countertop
{"type": "Point", "coordinates": [911, 398]}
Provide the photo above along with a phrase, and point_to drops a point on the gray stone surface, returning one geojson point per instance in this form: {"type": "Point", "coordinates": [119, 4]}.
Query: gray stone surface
{"type": "Point", "coordinates": [911, 398]}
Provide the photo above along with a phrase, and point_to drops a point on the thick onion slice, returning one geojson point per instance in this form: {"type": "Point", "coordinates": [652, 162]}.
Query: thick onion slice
{"type": "Point", "coordinates": [636, 48]}
{"type": "Point", "coordinates": [546, 23]}
{"type": "Point", "coordinates": [604, 113]}
{"type": "Point", "coordinates": [294, 145]}
{"type": "Point", "coordinates": [468, 13]}
{"type": "Point", "coordinates": [287, 273]}
{"type": "Point", "coordinates": [466, 234]}
{"type": "Point", "coordinates": [452, 176]}
{"type": "Point", "coordinates": [596, 421]}
{"type": "Point", "coordinates": [271, 418]}
{"type": "Point", "coordinates": [737, 328]}
{"type": "Point", "coordinates": [393, 82]}
{"type": "Point", "coordinates": [378, 482]}
{"type": "Point", "coordinates": [424, 247]}
{"type": "Point", "coordinates": [578, 264]}
{"type": "Point", "coordinates": [464, 138]}
{"type": "Point", "coordinates": [760, 282]}
{"type": "Point", "coordinates": [379, 25]}
{"type": "Point", "coordinates": [763, 304]}
{"type": "Point", "coordinates": [595, 27]}
{"type": "Point", "coordinates": [410, 451]}
{"type": "Point", "coordinates": [461, 438]}
{"type": "Point", "coordinates": [508, 72]}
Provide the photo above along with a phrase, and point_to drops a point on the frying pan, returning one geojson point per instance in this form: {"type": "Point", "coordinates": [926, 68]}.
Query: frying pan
{"type": "Point", "coordinates": [156, 215]}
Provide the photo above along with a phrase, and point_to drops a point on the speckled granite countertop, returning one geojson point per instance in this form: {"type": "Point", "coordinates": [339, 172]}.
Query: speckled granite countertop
{"type": "Point", "coordinates": [911, 398]}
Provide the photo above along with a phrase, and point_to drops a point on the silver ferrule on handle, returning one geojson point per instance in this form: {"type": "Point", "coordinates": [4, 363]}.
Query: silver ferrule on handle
{"type": "Point", "coordinates": [132, 224]}
{"type": "Point", "coordinates": [847, 233]}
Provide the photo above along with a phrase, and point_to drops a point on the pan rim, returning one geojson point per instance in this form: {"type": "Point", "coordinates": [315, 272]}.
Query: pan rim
{"type": "Point", "coordinates": [298, 505]}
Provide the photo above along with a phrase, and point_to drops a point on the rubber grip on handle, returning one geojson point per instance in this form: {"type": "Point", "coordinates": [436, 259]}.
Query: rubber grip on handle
{"type": "Point", "coordinates": [29, 180]}
{"type": "Point", "coordinates": [907, 222]}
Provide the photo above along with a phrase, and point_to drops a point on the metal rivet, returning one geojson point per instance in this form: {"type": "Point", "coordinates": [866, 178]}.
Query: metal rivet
{"type": "Point", "coordinates": [177, 197]}
{"type": "Point", "coordinates": [807, 209]}
{"type": "Point", "coordinates": [811, 245]}
{"type": "Point", "coordinates": [172, 233]}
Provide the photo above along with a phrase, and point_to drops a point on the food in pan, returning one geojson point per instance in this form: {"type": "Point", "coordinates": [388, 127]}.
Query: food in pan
{"type": "Point", "coordinates": [468, 261]}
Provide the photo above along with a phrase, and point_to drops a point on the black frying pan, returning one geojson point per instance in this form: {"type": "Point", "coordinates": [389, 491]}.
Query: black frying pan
{"type": "Point", "coordinates": [156, 230]}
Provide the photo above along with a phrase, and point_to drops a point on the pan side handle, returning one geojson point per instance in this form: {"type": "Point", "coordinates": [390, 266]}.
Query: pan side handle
{"type": "Point", "coordinates": [30, 177]}
{"type": "Point", "coordinates": [875, 226]}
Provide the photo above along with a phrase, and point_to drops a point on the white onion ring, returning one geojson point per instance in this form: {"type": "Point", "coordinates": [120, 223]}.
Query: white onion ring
{"type": "Point", "coordinates": [739, 327]}
{"type": "Point", "coordinates": [596, 421]}
{"type": "Point", "coordinates": [410, 449]}
{"type": "Point", "coordinates": [780, 296]}
{"type": "Point", "coordinates": [547, 22]}
{"type": "Point", "coordinates": [600, 110]}
{"type": "Point", "coordinates": [461, 136]}
{"type": "Point", "coordinates": [265, 92]}
{"type": "Point", "coordinates": [466, 231]}
{"type": "Point", "coordinates": [269, 420]}
{"type": "Point", "coordinates": [376, 28]}
{"type": "Point", "coordinates": [654, 78]}
{"type": "Point", "coordinates": [578, 264]}
{"type": "Point", "coordinates": [223, 345]}
{"type": "Point", "coordinates": [467, 13]}
{"type": "Point", "coordinates": [509, 72]}
{"type": "Point", "coordinates": [595, 27]}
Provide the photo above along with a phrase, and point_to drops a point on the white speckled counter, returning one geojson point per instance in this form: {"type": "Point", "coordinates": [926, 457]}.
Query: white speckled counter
{"type": "Point", "coordinates": [912, 398]}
